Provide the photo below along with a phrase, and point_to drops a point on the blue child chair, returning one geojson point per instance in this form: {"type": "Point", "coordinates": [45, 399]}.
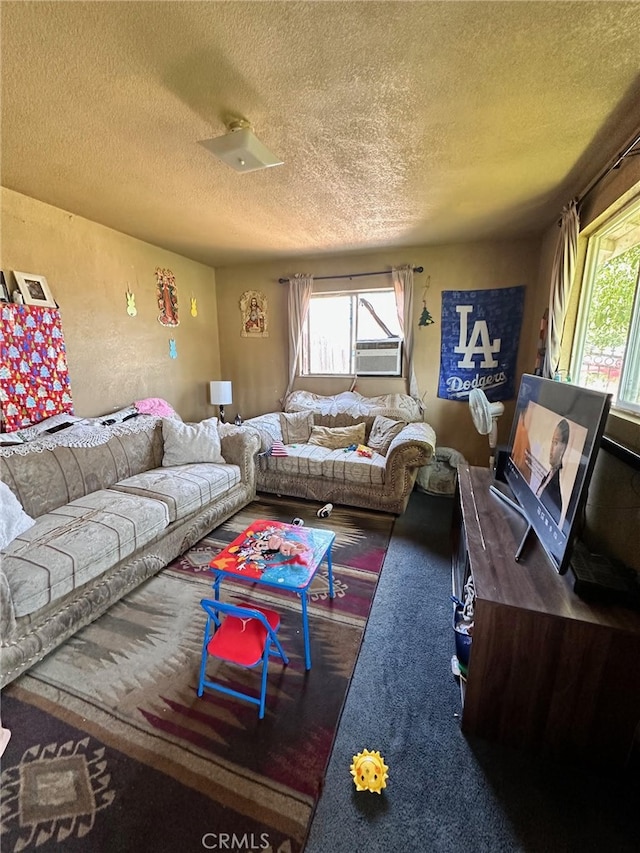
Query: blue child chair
{"type": "Point", "coordinates": [243, 634]}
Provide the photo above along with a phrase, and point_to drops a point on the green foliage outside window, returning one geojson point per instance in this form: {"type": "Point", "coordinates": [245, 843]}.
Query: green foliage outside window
{"type": "Point", "coordinates": [612, 301]}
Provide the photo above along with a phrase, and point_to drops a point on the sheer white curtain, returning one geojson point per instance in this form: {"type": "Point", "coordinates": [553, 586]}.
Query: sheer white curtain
{"type": "Point", "coordinates": [300, 289]}
{"type": "Point", "coordinates": [564, 266]}
{"type": "Point", "coordinates": [403, 288]}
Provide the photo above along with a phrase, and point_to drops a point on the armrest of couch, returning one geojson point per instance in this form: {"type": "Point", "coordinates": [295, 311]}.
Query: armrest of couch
{"type": "Point", "coordinates": [7, 613]}
{"type": "Point", "coordinates": [266, 427]}
{"type": "Point", "coordinates": [413, 447]}
{"type": "Point", "coordinates": [239, 447]}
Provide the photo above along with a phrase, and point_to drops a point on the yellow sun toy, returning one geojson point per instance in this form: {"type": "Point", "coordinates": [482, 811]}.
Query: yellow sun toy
{"type": "Point", "coordinates": [369, 771]}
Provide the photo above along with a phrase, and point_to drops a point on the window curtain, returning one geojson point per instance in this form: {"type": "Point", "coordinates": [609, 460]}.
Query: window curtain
{"type": "Point", "coordinates": [403, 289]}
{"type": "Point", "coordinates": [563, 271]}
{"type": "Point", "coordinates": [300, 289]}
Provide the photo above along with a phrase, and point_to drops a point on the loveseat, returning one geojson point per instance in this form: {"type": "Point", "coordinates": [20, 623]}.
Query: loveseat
{"type": "Point", "coordinates": [107, 507]}
{"type": "Point", "coordinates": [344, 449]}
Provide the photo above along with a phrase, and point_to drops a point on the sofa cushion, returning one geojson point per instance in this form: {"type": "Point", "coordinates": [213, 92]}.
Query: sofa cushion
{"type": "Point", "coordinates": [311, 460]}
{"type": "Point", "coordinates": [383, 431]}
{"type": "Point", "coordinates": [13, 519]}
{"type": "Point", "coordinates": [186, 444]}
{"type": "Point", "coordinates": [183, 488]}
{"type": "Point", "coordinates": [296, 428]}
{"type": "Point", "coordinates": [46, 478]}
{"type": "Point", "coordinates": [336, 437]}
{"type": "Point", "coordinates": [77, 542]}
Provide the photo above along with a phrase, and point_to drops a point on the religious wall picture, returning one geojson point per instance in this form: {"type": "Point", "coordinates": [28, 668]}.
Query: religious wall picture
{"type": "Point", "coordinates": [253, 310]}
{"type": "Point", "coordinates": [167, 295]}
{"type": "Point", "coordinates": [34, 289]}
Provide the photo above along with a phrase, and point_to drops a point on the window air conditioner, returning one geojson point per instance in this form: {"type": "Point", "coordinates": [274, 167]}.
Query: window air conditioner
{"type": "Point", "coordinates": [379, 358]}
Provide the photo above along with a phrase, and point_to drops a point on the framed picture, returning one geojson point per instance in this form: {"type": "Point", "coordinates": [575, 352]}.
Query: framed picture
{"type": "Point", "coordinates": [4, 290]}
{"type": "Point", "coordinates": [34, 289]}
{"type": "Point", "coordinates": [255, 316]}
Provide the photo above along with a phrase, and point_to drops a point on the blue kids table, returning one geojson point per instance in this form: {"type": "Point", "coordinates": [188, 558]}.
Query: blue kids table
{"type": "Point", "coordinates": [278, 555]}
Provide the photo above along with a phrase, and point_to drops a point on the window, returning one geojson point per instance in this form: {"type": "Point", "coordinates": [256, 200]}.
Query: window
{"type": "Point", "coordinates": [338, 322]}
{"type": "Point", "coordinates": [606, 350]}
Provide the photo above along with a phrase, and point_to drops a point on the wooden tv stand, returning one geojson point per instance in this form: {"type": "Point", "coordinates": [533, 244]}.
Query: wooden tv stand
{"type": "Point", "coordinates": [547, 670]}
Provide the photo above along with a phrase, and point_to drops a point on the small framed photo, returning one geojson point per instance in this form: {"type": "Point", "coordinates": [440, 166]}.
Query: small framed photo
{"type": "Point", "coordinates": [34, 289]}
{"type": "Point", "coordinates": [4, 290]}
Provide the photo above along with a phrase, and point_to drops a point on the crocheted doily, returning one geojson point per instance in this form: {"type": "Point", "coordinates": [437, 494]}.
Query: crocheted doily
{"type": "Point", "coordinates": [89, 432]}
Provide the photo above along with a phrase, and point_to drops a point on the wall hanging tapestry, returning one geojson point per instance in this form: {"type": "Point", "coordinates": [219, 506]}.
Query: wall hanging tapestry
{"type": "Point", "coordinates": [253, 308]}
{"type": "Point", "coordinates": [167, 298]}
{"type": "Point", "coordinates": [480, 336]}
{"type": "Point", "coordinates": [34, 380]}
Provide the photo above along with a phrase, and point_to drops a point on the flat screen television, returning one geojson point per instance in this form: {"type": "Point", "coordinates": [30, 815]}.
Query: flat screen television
{"type": "Point", "coordinates": [555, 438]}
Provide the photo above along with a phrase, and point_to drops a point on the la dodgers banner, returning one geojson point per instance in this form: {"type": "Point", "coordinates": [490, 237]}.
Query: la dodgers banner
{"type": "Point", "coordinates": [480, 336]}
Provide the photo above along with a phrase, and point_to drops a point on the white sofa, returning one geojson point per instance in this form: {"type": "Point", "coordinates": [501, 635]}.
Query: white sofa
{"type": "Point", "coordinates": [108, 507]}
{"type": "Point", "coordinates": [383, 481]}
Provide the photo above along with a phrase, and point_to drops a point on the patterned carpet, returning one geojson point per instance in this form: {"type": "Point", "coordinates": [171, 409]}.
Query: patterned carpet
{"type": "Point", "coordinates": [111, 749]}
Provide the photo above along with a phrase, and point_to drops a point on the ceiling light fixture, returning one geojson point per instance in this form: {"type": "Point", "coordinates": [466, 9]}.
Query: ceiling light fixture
{"type": "Point", "coordinates": [241, 149]}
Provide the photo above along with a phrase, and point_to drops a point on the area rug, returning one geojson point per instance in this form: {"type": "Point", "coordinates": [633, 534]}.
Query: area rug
{"type": "Point", "coordinates": [112, 750]}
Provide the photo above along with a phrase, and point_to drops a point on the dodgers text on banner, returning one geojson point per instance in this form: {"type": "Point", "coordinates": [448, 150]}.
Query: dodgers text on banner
{"type": "Point", "coordinates": [480, 336]}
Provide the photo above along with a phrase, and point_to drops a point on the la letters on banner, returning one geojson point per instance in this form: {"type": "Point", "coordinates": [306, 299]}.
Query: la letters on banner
{"type": "Point", "coordinates": [480, 336]}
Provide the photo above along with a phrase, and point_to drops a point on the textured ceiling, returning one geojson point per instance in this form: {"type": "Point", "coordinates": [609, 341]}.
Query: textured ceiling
{"type": "Point", "coordinates": [400, 124]}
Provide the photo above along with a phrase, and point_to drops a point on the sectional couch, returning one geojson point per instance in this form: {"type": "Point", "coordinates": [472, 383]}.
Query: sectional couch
{"type": "Point", "coordinates": [107, 507]}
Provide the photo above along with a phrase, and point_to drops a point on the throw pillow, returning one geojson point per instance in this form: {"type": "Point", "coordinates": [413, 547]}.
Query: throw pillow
{"type": "Point", "coordinates": [335, 437]}
{"type": "Point", "coordinates": [296, 427]}
{"type": "Point", "coordinates": [186, 444]}
{"type": "Point", "coordinates": [383, 431]}
{"type": "Point", "coordinates": [13, 519]}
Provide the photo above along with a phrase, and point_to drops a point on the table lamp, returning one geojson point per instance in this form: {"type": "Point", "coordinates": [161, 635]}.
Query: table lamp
{"type": "Point", "coordinates": [220, 395]}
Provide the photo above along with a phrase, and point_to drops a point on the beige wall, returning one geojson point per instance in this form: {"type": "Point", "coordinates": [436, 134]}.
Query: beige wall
{"type": "Point", "coordinates": [258, 366]}
{"type": "Point", "coordinates": [115, 359]}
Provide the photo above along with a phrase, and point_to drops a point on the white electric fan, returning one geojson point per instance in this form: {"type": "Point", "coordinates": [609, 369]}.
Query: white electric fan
{"type": "Point", "coordinates": [485, 419]}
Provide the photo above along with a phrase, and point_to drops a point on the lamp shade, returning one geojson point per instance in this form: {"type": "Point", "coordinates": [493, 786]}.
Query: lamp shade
{"type": "Point", "coordinates": [220, 393]}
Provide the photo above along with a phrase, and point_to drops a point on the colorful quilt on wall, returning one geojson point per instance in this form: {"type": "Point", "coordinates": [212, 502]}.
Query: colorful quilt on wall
{"type": "Point", "coordinates": [34, 380]}
{"type": "Point", "coordinates": [480, 337]}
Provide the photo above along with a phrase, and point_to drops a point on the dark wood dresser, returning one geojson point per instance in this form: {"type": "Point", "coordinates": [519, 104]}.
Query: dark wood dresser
{"type": "Point", "coordinates": [547, 671]}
